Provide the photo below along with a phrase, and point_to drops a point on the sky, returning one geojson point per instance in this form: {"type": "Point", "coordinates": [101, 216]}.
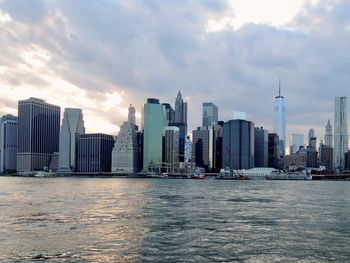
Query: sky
{"type": "Point", "coordinates": [103, 55]}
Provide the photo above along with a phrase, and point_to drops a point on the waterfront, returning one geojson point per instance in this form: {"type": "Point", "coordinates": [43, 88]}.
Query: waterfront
{"type": "Point", "coordinates": [150, 220]}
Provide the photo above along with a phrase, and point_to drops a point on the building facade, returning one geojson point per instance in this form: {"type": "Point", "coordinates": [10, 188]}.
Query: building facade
{"type": "Point", "coordinates": [72, 126]}
{"type": "Point", "coordinates": [340, 131]}
{"type": "Point", "coordinates": [210, 114]}
{"type": "Point", "coordinates": [274, 157]}
{"type": "Point", "coordinates": [8, 144]}
{"type": "Point", "coordinates": [171, 147]}
{"type": "Point", "coordinates": [280, 121]}
{"type": "Point", "coordinates": [188, 150]}
{"type": "Point", "coordinates": [94, 153]}
{"type": "Point", "coordinates": [326, 157]}
{"type": "Point", "coordinates": [261, 148]}
{"type": "Point", "coordinates": [154, 121]}
{"type": "Point", "coordinates": [238, 144]}
{"type": "Point", "coordinates": [297, 141]}
{"type": "Point", "coordinates": [328, 137]}
{"type": "Point", "coordinates": [126, 151]}
{"type": "Point", "coordinates": [38, 134]}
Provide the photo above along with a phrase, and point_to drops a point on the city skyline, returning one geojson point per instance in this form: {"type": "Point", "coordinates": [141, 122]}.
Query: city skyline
{"type": "Point", "coordinates": [208, 53]}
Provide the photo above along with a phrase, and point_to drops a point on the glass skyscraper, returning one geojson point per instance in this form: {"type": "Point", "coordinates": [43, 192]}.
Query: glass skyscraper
{"type": "Point", "coordinates": [8, 143]}
{"type": "Point", "coordinates": [210, 114]}
{"type": "Point", "coordinates": [38, 134]}
{"type": "Point", "coordinates": [154, 122]}
{"type": "Point", "coordinates": [280, 120]}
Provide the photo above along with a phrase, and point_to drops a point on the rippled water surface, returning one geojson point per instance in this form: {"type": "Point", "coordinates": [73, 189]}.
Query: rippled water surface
{"type": "Point", "coordinates": [150, 220]}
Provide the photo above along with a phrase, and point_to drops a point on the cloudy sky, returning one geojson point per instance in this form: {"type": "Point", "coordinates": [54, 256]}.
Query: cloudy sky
{"type": "Point", "coordinates": [103, 55]}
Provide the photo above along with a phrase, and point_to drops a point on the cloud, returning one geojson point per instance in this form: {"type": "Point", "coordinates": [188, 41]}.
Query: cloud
{"type": "Point", "coordinates": [103, 55]}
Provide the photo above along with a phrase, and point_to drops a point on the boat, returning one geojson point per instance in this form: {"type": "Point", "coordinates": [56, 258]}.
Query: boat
{"type": "Point", "coordinates": [43, 174]}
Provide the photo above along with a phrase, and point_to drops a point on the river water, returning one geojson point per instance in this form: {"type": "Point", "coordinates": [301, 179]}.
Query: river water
{"type": "Point", "coordinates": [169, 220]}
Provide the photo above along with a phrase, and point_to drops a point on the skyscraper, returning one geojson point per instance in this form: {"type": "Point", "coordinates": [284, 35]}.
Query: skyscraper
{"type": "Point", "coordinates": [171, 147]}
{"type": "Point", "coordinates": [200, 148]}
{"type": "Point", "coordinates": [274, 157]}
{"type": "Point", "coordinates": [38, 134]}
{"type": "Point", "coordinates": [8, 143]}
{"type": "Point", "coordinates": [94, 153]}
{"type": "Point", "coordinates": [132, 115]}
{"type": "Point", "coordinates": [261, 150]}
{"type": "Point", "coordinates": [72, 126]}
{"type": "Point", "coordinates": [280, 120]}
{"type": "Point", "coordinates": [126, 151]}
{"type": "Point", "coordinates": [180, 109]}
{"type": "Point", "coordinates": [328, 137]}
{"type": "Point", "coordinates": [340, 131]}
{"type": "Point", "coordinates": [169, 113]}
{"type": "Point", "coordinates": [188, 149]}
{"type": "Point", "coordinates": [210, 114]}
{"type": "Point", "coordinates": [154, 121]}
{"type": "Point", "coordinates": [238, 144]}
{"type": "Point", "coordinates": [311, 135]}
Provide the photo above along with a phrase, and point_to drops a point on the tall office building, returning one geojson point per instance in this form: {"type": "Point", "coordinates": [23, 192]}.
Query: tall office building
{"type": "Point", "coordinates": [200, 148]}
{"type": "Point", "coordinates": [8, 143]}
{"type": "Point", "coordinates": [38, 134]}
{"type": "Point", "coordinates": [94, 153]}
{"type": "Point", "coordinates": [154, 121]}
{"type": "Point", "coordinates": [180, 109]}
{"type": "Point", "coordinates": [328, 137]}
{"type": "Point", "coordinates": [311, 135]}
{"type": "Point", "coordinates": [72, 126]}
{"type": "Point", "coordinates": [171, 147]}
{"type": "Point", "coordinates": [326, 156]}
{"type": "Point", "coordinates": [297, 141]}
{"type": "Point", "coordinates": [274, 157]}
{"type": "Point", "coordinates": [126, 151]}
{"type": "Point", "coordinates": [261, 149]}
{"type": "Point", "coordinates": [238, 144]}
{"type": "Point", "coordinates": [340, 131]}
{"type": "Point", "coordinates": [210, 114]}
{"type": "Point", "coordinates": [169, 113]}
{"type": "Point", "coordinates": [280, 120]}
{"type": "Point", "coordinates": [132, 115]}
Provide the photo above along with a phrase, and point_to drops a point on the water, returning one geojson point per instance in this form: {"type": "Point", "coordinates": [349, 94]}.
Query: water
{"type": "Point", "coordinates": [150, 220]}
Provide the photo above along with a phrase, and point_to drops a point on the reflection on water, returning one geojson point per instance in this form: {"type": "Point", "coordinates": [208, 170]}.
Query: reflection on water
{"type": "Point", "coordinates": [134, 220]}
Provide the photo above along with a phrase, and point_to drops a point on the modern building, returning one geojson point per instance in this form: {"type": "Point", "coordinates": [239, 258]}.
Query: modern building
{"type": "Point", "coordinates": [297, 142]}
{"type": "Point", "coordinates": [94, 153]}
{"type": "Point", "coordinates": [238, 144]}
{"type": "Point", "coordinates": [326, 157]}
{"type": "Point", "coordinates": [200, 148]}
{"type": "Point", "coordinates": [328, 137]}
{"type": "Point", "coordinates": [340, 132]}
{"type": "Point", "coordinates": [274, 157]}
{"type": "Point", "coordinates": [210, 114]}
{"type": "Point", "coordinates": [347, 161]}
{"type": "Point", "coordinates": [72, 126]}
{"type": "Point", "coordinates": [38, 134]}
{"type": "Point", "coordinates": [311, 135]}
{"type": "Point", "coordinates": [132, 115]}
{"type": "Point", "coordinates": [261, 148]}
{"type": "Point", "coordinates": [154, 121]}
{"type": "Point", "coordinates": [127, 150]}
{"type": "Point", "coordinates": [171, 148]}
{"type": "Point", "coordinates": [169, 113]}
{"type": "Point", "coordinates": [8, 144]}
{"type": "Point", "coordinates": [280, 120]}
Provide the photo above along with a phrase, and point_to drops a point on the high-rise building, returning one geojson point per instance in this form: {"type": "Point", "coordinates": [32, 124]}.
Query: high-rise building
{"type": "Point", "coordinates": [238, 144]}
{"type": "Point", "coordinates": [94, 153]}
{"type": "Point", "coordinates": [280, 120]}
{"type": "Point", "coordinates": [180, 109]}
{"type": "Point", "coordinates": [126, 151]}
{"type": "Point", "coordinates": [210, 114]}
{"type": "Point", "coordinates": [274, 157]}
{"type": "Point", "coordinates": [38, 134]}
{"type": "Point", "coordinates": [297, 141]}
{"type": "Point", "coordinates": [171, 147]}
{"type": "Point", "coordinates": [188, 150]}
{"type": "Point", "coordinates": [340, 131]}
{"type": "Point", "coordinates": [326, 156]}
{"type": "Point", "coordinates": [328, 137]}
{"type": "Point", "coordinates": [8, 143]}
{"type": "Point", "coordinates": [200, 148]}
{"type": "Point", "coordinates": [154, 121]}
{"type": "Point", "coordinates": [169, 113]}
{"type": "Point", "coordinates": [72, 126]}
{"type": "Point", "coordinates": [132, 115]}
{"type": "Point", "coordinates": [261, 149]}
